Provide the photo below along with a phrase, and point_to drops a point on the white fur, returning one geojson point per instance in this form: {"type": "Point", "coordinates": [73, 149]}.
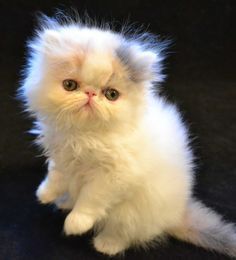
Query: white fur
{"type": "Point", "coordinates": [124, 168]}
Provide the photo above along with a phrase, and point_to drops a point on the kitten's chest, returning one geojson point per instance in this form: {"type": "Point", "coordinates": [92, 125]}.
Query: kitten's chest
{"type": "Point", "coordinates": [81, 154]}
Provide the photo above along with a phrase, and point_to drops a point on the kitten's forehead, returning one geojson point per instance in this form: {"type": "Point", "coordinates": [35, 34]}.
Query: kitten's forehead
{"type": "Point", "coordinates": [96, 68]}
{"type": "Point", "coordinates": [88, 53]}
{"type": "Point", "coordinates": [94, 53]}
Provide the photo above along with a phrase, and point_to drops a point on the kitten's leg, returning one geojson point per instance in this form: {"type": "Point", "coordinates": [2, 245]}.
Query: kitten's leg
{"type": "Point", "coordinates": [95, 197]}
{"type": "Point", "coordinates": [53, 186]}
{"type": "Point", "coordinates": [110, 240]}
{"type": "Point", "coordinates": [130, 222]}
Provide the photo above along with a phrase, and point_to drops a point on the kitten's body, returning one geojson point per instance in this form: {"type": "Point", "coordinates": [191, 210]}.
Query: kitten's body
{"type": "Point", "coordinates": [149, 188]}
{"type": "Point", "coordinates": [125, 167]}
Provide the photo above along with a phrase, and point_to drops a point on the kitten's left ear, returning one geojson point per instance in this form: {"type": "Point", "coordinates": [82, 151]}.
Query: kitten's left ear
{"type": "Point", "coordinates": [141, 64]}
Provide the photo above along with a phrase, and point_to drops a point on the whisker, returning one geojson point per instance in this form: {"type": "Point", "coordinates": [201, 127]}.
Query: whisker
{"type": "Point", "coordinates": [69, 105]}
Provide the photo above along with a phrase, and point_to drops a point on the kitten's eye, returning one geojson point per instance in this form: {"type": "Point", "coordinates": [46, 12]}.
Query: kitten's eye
{"type": "Point", "coordinates": [70, 84]}
{"type": "Point", "coordinates": [111, 94]}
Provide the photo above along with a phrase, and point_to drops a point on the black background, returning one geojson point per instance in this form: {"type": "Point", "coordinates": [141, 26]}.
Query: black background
{"type": "Point", "coordinates": [202, 81]}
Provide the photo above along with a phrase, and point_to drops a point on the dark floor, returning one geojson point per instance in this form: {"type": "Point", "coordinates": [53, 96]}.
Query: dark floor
{"type": "Point", "coordinates": [202, 82]}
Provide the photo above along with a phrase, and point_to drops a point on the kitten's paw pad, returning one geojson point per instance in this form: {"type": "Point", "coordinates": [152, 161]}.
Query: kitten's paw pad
{"type": "Point", "coordinates": [77, 223]}
{"type": "Point", "coordinates": [108, 245]}
{"type": "Point", "coordinates": [44, 194]}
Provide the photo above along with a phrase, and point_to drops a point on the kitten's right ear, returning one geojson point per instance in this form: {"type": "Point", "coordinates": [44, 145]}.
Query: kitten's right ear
{"type": "Point", "coordinates": [50, 37]}
{"type": "Point", "coordinates": [47, 42]}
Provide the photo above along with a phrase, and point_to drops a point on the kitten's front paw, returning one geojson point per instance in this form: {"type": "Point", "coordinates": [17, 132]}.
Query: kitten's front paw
{"type": "Point", "coordinates": [108, 245]}
{"type": "Point", "coordinates": [44, 194]}
{"type": "Point", "coordinates": [78, 223]}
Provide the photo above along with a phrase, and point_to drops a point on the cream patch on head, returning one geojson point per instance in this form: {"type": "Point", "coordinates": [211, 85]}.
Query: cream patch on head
{"type": "Point", "coordinates": [96, 69]}
{"type": "Point", "coordinates": [82, 54]}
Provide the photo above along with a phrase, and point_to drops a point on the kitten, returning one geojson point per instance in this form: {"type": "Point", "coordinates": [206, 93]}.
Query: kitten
{"type": "Point", "coordinates": [118, 156]}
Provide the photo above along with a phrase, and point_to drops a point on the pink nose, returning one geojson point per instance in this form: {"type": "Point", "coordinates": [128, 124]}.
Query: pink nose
{"type": "Point", "coordinates": [90, 93]}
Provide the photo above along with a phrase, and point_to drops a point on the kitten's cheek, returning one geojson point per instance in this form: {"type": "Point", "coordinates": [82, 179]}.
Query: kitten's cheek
{"type": "Point", "coordinates": [113, 102]}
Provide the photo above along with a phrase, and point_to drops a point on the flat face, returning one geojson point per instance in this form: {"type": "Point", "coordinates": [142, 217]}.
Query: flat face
{"type": "Point", "coordinates": [104, 90]}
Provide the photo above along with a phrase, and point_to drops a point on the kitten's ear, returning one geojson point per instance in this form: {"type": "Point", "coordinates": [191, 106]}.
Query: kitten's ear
{"type": "Point", "coordinates": [47, 42]}
{"type": "Point", "coordinates": [50, 37]}
{"type": "Point", "coordinates": [141, 64]}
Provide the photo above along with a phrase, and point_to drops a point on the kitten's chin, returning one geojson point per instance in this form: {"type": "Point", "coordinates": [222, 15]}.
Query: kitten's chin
{"type": "Point", "coordinates": [86, 113]}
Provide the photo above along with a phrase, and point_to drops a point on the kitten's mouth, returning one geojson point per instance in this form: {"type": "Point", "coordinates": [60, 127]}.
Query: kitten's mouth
{"type": "Point", "coordinates": [88, 105]}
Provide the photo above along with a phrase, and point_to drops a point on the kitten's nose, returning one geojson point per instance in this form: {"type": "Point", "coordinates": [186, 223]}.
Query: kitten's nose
{"type": "Point", "coordinates": [90, 93]}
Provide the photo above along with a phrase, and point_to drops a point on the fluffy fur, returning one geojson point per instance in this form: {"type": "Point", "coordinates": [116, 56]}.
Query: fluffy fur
{"type": "Point", "coordinates": [124, 167]}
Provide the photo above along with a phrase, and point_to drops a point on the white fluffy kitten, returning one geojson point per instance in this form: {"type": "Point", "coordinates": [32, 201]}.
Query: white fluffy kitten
{"type": "Point", "coordinates": [118, 157]}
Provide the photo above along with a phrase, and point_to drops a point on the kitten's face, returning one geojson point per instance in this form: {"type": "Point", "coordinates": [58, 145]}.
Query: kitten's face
{"type": "Point", "coordinates": [78, 77]}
